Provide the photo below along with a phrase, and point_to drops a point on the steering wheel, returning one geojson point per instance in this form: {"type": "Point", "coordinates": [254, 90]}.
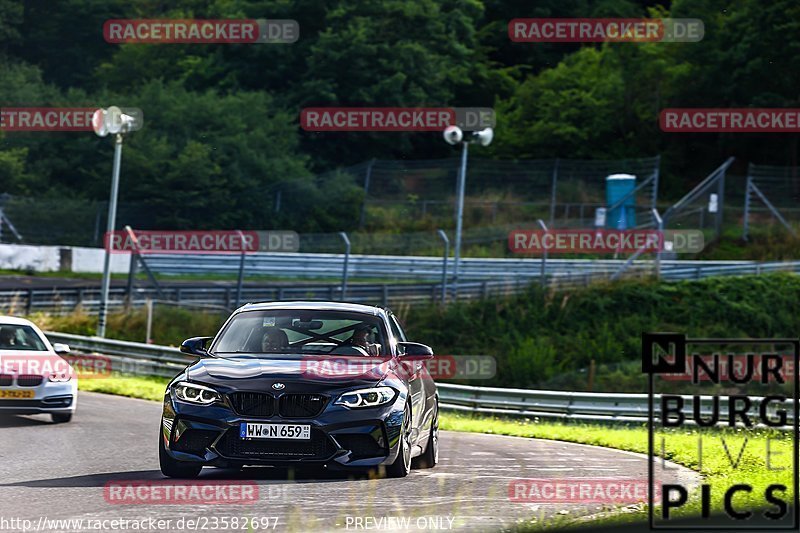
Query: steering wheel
{"type": "Point", "coordinates": [349, 349]}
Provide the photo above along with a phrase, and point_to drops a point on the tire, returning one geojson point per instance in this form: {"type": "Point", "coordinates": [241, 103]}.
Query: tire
{"type": "Point", "coordinates": [61, 418]}
{"type": "Point", "coordinates": [430, 458]}
{"type": "Point", "coordinates": [402, 465]}
{"type": "Point", "coordinates": [172, 468]}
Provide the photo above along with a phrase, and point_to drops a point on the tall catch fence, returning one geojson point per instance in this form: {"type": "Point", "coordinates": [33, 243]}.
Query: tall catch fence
{"type": "Point", "coordinates": [772, 197]}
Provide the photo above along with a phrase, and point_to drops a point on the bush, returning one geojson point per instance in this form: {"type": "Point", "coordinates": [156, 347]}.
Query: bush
{"type": "Point", "coordinates": [539, 336]}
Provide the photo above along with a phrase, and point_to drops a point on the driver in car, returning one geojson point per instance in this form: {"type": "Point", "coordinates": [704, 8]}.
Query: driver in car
{"type": "Point", "coordinates": [7, 338]}
{"type": "Point", "coordinates": [360, 339]}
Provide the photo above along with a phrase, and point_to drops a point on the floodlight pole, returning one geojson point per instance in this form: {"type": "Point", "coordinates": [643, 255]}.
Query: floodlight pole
{"type": "Point", "coordinates": [462, 178]}
{"type": "Point", "coordinates": [112, 219]}
{"type": "Point", "coordinates": [660, 225]}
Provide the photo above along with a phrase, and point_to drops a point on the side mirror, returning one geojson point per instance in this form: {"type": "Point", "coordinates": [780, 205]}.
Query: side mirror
{"type": "Point", "coordinates": [196, 346]}
{"type": "Point", "coordinates": [60, 349]}
{"type": "Point", "coordinates": [414, 351]}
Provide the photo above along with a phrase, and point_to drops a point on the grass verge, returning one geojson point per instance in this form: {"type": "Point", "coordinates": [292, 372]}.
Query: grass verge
{"type": "Point", "coordinates": [755, 450]}
{"type": "Point", "coordinates": [144, 387]}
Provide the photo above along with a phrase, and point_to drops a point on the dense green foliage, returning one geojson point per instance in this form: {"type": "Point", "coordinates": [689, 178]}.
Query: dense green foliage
{"type": "Point", "coordinates": [222, 120]}
{"type": "Point", "coordinates": [543, 338]}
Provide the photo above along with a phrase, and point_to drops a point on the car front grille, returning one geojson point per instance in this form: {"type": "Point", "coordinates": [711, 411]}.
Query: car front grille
{"type": "Point", "coordinates": [318, 447]}
{"type": "Point", "coordinates": [25, 380]}
{"type": "Point", "coordinates": [263, 404]}
{"type": "Point", "coordinates": [6, 380]}
{"type": "Point", "coordinates": [301, 405]}
{"type": "Point", "coordinates": [253, 403]}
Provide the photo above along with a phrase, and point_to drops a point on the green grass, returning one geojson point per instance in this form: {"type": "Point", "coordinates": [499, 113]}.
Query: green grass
{"type": "Point", "coordinates": [144, 387]}
{"type": "Point", "coordinates": [681, 448]}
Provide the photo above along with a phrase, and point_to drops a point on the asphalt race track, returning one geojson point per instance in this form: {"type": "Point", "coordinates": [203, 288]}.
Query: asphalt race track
{"type": "Point", "coordinates": [59, 472]}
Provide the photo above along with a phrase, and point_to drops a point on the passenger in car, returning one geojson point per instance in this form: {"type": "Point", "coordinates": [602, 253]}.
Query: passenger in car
{"type": "Point", "coordinates": [274, 339]}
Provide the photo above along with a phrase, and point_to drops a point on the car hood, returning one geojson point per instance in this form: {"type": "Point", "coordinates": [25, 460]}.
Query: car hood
{"type": "Point", "coordinates": [311, 372]}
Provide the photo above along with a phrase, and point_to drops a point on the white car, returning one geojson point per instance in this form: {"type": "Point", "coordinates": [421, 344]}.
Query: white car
{"type": "Point", "coordinates": [34, 378]}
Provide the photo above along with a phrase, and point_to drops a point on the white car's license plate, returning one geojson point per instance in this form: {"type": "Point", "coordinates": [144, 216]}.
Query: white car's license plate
{"type": "Point", "coordinates": [275, 431]}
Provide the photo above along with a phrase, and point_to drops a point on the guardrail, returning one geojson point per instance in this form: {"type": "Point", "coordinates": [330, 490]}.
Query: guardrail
{"type": "Point", "coordinates": [147, 359]}
{"type": "Point", "coordinates": [566, 405]}
{"type": "Point", "coordinates": [64, 300]}
{"type": "Point", "coordinates": [127, 357]}
{"type": "Point", "coordinates": [419, 268]}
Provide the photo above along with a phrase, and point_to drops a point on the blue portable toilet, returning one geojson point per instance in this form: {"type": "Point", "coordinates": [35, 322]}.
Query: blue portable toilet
{"type": "Point", "coordinates": [623, 216]}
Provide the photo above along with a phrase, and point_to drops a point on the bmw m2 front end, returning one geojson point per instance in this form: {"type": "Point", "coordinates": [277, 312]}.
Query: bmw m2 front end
{"type": "Point", "coordinates": [326, 385]}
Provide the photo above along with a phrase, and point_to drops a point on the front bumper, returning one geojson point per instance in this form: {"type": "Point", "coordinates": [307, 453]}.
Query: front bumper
{"type": "Point", "coordinates": [48, 397]}
{"type": "Point", "coordinates": [341, 438]}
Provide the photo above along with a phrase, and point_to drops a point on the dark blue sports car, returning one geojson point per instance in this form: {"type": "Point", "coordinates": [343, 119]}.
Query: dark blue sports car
{"type": "Point", "coordinates": [295, 384]}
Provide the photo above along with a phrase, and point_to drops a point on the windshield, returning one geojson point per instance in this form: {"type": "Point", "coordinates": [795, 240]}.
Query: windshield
{"type": "Point", "coordinates": [302, 332]}
{"type": "Point", "coordinates": [20, 337]}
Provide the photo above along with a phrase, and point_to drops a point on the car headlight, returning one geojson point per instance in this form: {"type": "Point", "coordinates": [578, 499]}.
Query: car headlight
{"type": "Point", "coordinates": [196, 394]}
{"type": "Point", "coordinates": [60, 377]}
{"type": "Point", "coordinates": [367, 397]}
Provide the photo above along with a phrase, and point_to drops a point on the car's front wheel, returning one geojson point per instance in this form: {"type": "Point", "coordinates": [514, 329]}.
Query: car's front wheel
{"type": "Point", "coordinates": [61, 418]}
{"type": "Point", "coordinates": [402, 465]}
{"type": "Point", "coordinates": [172, 468]}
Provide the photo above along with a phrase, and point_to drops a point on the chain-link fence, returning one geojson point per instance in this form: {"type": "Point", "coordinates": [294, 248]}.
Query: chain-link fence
{"type": "Point", "coordinates": [379, 196]}
{"type": "Point", "coordinates": [703, 207]}
{"type": "Point", "coordinates": [565, 192]}
{"type": "Point", "coordinates": [64, 221]}
{"type": "Point", "coordinates": [771, 197]}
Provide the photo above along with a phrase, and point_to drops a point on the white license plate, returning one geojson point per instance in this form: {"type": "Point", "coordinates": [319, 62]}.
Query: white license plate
{"type": "Point", "coordinates": [275, 431]}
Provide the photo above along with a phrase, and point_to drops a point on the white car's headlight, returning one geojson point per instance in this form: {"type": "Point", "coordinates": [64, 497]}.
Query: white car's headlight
{"type": "Point", "coordinates": [60, 377]}
{"type": "Point", "coordinates": [196, 394]}
{"type": "Point", "coordinates": [367, 397]}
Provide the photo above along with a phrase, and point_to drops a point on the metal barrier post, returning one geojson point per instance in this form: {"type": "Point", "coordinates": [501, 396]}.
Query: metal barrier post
{"type": "Point", "coordinates": [553, 193]}
{"type": "Point", "coordinates": [443, 235]}
{"type": "Point", "coordinates": [542, 278]}
{"type": "Point", "coordinates": [720, 203]}
{"type": "Point", "coordinates": [363, 216]}
{"type": "Point", "coordinates": [344, 237]}
{"type": "Point", "coordinates": [462, 178]}
{"type": "Point", "coordinates": [148, 334]}
{"type": "Point", "coordinates": [112, 218]}
{"type": "Point", "coordinates": [131, 275]}
{"type": "Point", "coordinates": [240, 281]}
{"type": "Point", "coordinates": [660, 224]}
{"type": "Point", "coordinates": [746, 217]}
